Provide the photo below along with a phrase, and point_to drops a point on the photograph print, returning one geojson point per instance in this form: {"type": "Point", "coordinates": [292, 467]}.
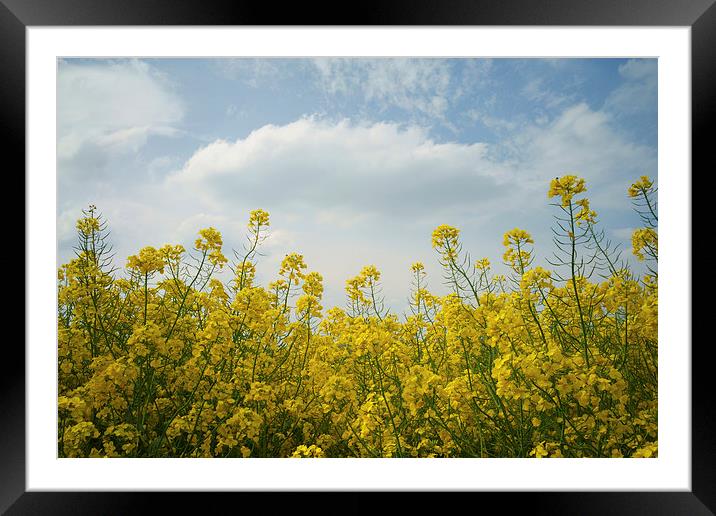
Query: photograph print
{"type": "Point", "coordinates": [357, 257]}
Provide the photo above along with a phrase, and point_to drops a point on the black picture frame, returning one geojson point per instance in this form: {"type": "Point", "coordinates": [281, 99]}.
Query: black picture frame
{"type": "Point", "coordinates": [16, 15]}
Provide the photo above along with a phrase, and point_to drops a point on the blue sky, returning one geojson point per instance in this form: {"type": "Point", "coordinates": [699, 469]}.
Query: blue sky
{"type": "Point", "coordinates": [357, 160]}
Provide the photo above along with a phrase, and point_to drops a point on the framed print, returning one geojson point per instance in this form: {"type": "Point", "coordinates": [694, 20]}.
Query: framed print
{"type": "Point", "coordinates": [419, 251]}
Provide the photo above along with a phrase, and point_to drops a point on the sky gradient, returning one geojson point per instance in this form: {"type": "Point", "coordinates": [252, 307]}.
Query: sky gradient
{"type": "Point", "coordinates": [356, 160]}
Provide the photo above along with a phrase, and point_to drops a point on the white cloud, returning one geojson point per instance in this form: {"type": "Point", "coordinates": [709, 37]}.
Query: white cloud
{"type": "Point", "coordinates": [360, 168]}
{"type": "Point", "coordinates": [346, 194]}
{"type": "Point", "coordinates": [583, 141]}
{"type": "Point", "coordinates": [638, 92]}
{"type": "Point", "coordinates": [351, 171]}
{"type": "Point", "coordinates": [491, 122]}
{"type": "Point", "coordinates": [253, 72]}
{"type": "Point", "coordinates": [639, 69]}
{"type": "Point", "coordinates": [110, 107]}
{"type": "Point", "coordinates": [536, 91]}
{"type": "Point", "coordinates": [160, 164]}
{"type": "Point", "coordinates": [414, 85]}
{"type": "Point", "coordinates": [475, 76]}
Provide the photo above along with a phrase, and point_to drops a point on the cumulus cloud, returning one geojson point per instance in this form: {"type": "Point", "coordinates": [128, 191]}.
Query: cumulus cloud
{"type": "Point", "coordinates": [344, 192]}
{"type": "Point", "coordinates": [375, 168]}
{"type": "Point", "coordinates": [385, 168]}
{"type": "Point", "coordinates": [347, 193]}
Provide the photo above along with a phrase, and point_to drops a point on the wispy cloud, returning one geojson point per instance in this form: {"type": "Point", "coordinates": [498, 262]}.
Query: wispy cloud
{"type": "Point", "coordinates": [99, 100]}
{"type": "Point", "coordinates": [413, 85]}
{"type": "Point", "coordinates": [494, 123]}
{"type": "Point", "coordinates": [251, 71]}
{"type": "Point", "coordinates": [537, 91]}
{"type": "Point", "coordinates": [111, 107]}
{"type": "Point", "coordinates": [638, 92]}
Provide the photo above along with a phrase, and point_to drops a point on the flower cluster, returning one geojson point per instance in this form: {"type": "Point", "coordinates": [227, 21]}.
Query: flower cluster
{"type": "Point", "coordinates": [566, 187]}
{"type": "Point", "coordinates": [168, 361]}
